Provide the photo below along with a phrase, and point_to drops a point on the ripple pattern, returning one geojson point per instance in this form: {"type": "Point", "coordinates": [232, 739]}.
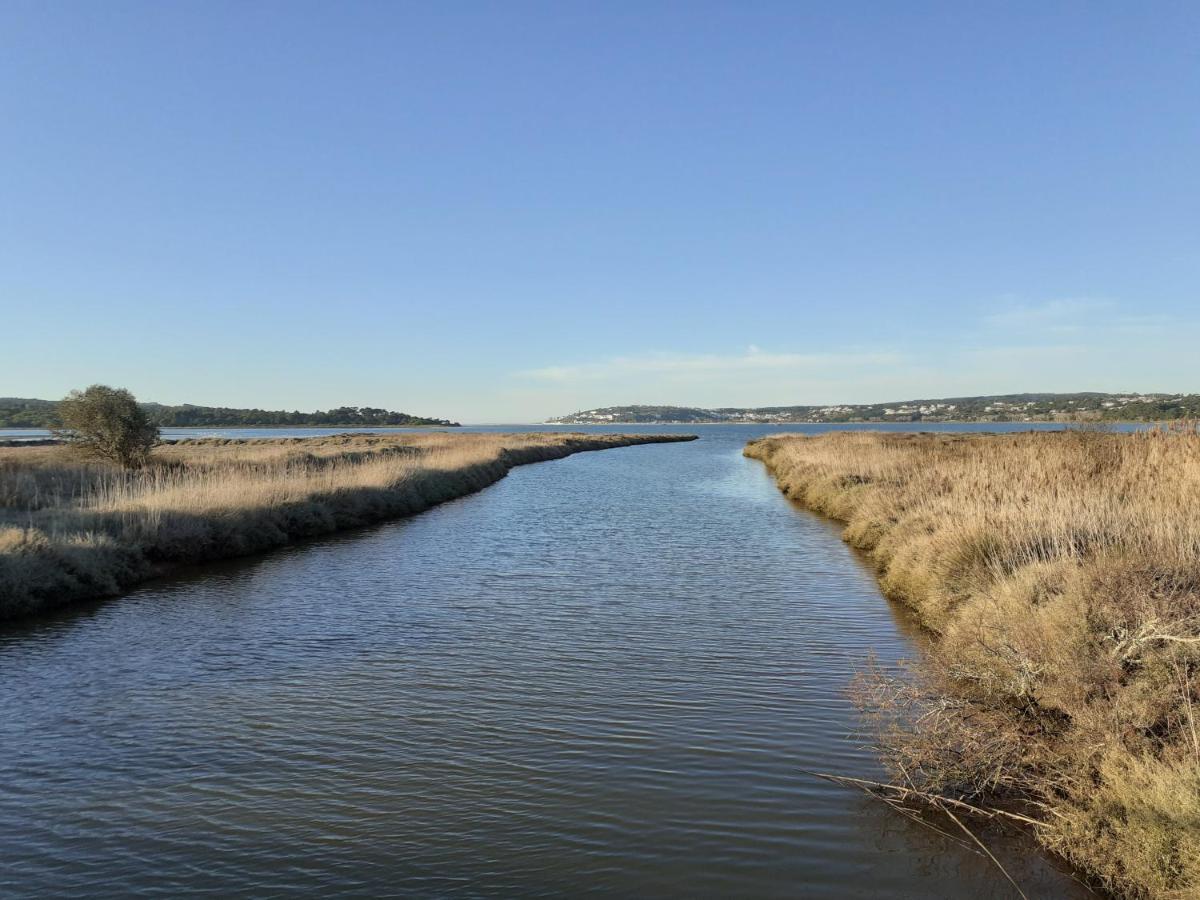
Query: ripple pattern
{"type": "Point", "coordinates": [604, 675]}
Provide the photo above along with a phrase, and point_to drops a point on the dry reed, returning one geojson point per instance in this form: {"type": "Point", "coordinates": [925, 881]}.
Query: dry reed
{"type": "Point", "coordinates": [72, 530]}
{"type": "Point", "coordinates": [1060, 573]}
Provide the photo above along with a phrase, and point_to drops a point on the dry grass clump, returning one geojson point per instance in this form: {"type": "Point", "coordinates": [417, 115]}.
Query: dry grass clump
{"type": "Point", "coordinates": [1061, 574]}
{"type": "Point", "coordinates": [71, 529]}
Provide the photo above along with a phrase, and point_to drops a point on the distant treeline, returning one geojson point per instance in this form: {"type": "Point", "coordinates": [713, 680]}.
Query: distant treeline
{"type": "Point", "coordinates": [1078, 407]}
{"type": "Point", "coordinates": [17, 412]}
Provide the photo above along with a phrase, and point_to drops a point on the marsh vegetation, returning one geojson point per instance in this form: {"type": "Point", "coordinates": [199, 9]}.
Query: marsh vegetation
{"type": "Point", "coordinates": [1060, 574]}
{"type": "Point", "coordinates": [72, 528]}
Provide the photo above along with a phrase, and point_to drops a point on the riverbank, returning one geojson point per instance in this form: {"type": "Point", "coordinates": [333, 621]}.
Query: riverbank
{"type": "Point", "coordinates": [72, 531]}
{"type": "Point", "coordinates": [1060, 573]}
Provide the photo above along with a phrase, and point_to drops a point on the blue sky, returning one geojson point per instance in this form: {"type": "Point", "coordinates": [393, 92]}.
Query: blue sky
{"type": "Point", "coordinates": [505, 211]}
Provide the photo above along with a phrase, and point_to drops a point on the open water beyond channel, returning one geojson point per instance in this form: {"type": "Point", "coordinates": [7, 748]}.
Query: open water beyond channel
{"type": "Point", "coordinates": [604, 675]}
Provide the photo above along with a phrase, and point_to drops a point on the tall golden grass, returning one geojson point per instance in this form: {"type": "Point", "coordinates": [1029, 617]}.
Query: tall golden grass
{"type": "Point", "coordinates": [1060, 573]}
{"type": "Point", "coordinates": [72, 530]}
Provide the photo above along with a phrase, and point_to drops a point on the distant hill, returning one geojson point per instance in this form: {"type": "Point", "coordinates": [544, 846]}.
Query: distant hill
{"type": "Point", "coordinates": [1083, 407]}
{"type": "Point", "coordinates": [18, 412]}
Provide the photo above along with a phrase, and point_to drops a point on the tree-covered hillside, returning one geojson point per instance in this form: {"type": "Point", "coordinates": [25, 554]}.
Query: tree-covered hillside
{"type": "Point", "coordinates": [16, 412]}
{"type": "Point", "coordinates": [1081, 407]}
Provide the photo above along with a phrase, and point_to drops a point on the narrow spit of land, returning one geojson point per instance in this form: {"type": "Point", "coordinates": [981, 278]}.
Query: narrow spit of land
{"type": "Point", "coordinates": [72, 530]}
{"type": "Point", "coordinates": [1060, 574]}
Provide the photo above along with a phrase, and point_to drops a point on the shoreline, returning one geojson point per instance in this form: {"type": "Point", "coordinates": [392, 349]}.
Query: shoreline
{"type": "Point", "coordinates": [1097, 424]}
{"type": "Point", "coordinates": [1056, 574]}
{"type": "Point", "coordinates": [193, 506]}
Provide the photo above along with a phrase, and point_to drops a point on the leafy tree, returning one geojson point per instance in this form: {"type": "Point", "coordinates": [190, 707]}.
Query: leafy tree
{"type": "Point", "coordinates": [107, 423]}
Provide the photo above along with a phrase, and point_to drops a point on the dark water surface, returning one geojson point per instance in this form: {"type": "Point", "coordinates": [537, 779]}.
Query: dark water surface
{"type": "Point", "coordinates": [606, 674]}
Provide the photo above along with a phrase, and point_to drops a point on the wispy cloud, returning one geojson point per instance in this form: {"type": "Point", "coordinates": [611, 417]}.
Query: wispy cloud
{"type": "Point", "coordinates": [1074, 317]}
{"type": "Point", "coordinates": [753, 359]}
{"type": "Point", "coordinates": [1053, 313]}
{"type": "Point", "coordinates": [1015, 345]}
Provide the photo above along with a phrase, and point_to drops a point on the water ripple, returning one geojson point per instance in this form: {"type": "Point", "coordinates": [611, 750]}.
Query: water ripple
{"type": "Point", "coordinates": [603, 675]}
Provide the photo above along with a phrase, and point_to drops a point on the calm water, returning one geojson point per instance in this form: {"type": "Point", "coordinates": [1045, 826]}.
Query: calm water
{"type": "Point", "coordinates": [605, 674]}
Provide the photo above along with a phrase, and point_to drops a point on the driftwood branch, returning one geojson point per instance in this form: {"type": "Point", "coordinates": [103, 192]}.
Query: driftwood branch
{"type": "Point", "coordinates": [894, 794]}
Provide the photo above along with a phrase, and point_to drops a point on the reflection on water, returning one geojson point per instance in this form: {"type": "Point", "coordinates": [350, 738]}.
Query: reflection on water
{"type": "Point", "coordinates": [604, 674]}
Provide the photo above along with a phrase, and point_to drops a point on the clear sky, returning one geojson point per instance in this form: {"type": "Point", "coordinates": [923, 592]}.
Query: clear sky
{"type": "Point", "coordinates": [506, 211]}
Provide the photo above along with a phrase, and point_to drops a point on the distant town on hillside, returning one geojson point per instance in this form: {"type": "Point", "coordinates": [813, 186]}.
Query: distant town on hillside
{"type": "Point", "coordinates": [1081, 407]}
{"type": "Point", "coordinates": [18, 412]}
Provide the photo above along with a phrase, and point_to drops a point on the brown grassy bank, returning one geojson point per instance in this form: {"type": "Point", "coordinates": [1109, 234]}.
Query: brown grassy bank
{"type": "Point", "coordinates": [71, 530]}
{"type": "Point", "coordinates": [1060, 573]}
